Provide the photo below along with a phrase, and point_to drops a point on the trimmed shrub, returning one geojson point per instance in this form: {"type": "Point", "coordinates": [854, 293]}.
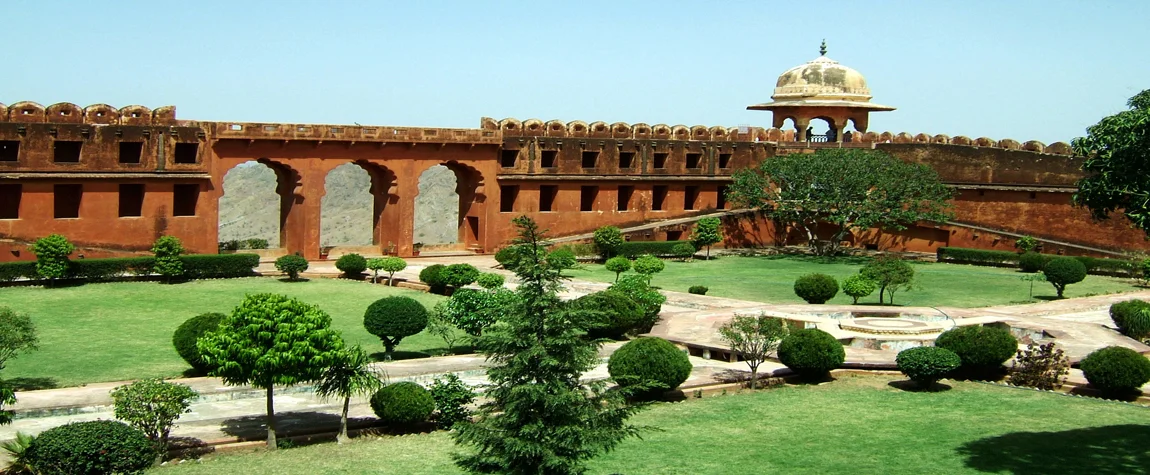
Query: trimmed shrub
{"type": "Point", "coordinates": [186, 335]}
{"type": "Point", "coordinates": [856, 286]}
{"type": "Point", "coordinates": [698, 289]}
{"type": "Point", "coordinates": [926, 364]}
{"type": "Point", "coordinates": [94, 270]}
{"type": "Point", "coordinates": [982, 349]}
{"type": "Point", "coordinates": [255, 243]}
{"type": "Point", "coordinates": [961, 255]}
{"type": "Point", "coordinates": [633, 249]}
{"type": "Point", "coordinates": [52, 256]}
{"type": "Point", "coordinates": [291, 265]}
{"type": "Point", "coordinates": [219, 266]}
{"type": "Point", "coordinates": [432, 275]}
{"type": "Point", "coordinates": [811, 353]}
{"type": "Point", "coordinates": [90, 448]}
{"type": "Point", "coordinates": [505, 257]}
{"type": "Point", "coordinates": [1032, 262]}
{"type": "Point", "coordinates": [615, 314]}
{"type": "Point", "coordinates": [816, 288]}
{"type": "Point", "coordinates": [10, 271]}
{"type": "Point", "coordinates": [402, 404]}
{"type": "Point", "coordinates": [618, 265]}
{"type": "Point", "coordinates": [561, 259]}
{"type": "Point", "coordinates": [636, 287]}
{"type": "Point", "coordinates": [649, 366]}
{"type": "Point", "coordinates": [232, 245]}
{"type": "Point", "coordinates": [394, 318]}
{"type": "Point", "coordinates": [389, 264]}
{"type": "Point", "coordinates": [473, 310]}
{"type": "Point", "coordinates": [459, 275]}
{"type": "Point", "coordinates": [1132, 317]}
{"type": "Point", "coordinates": [451, 396]}
{"type": "Point", "coordinates": [1063, 271]}
{"type": "Point", "coordinates": [684, 251]}
{"type": "Point", "coordinates": [1116, 371]}
{"type": "Point", "coordinates": [167, 250]}
{"type": "Point", "coordinates": [490, 281]}
{"type": "Point", "coordinates": [352, 265]}
{"type": "Point", "coordinates": [648, 266]}
{"type": "Point", "coordinates": [1143, 271]}
{"type": "Point", "coordinates": [607, 241]}
{"type": "Point", "coordinates": [1040, 366]}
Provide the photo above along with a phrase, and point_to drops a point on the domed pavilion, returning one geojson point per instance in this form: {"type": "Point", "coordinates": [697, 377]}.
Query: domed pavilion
{"type": "Point", "coordinates": [821, 89]}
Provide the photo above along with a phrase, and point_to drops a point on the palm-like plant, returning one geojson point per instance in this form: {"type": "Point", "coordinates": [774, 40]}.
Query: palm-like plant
{"type": "Point", "coordinates": [351, 374]}
{"type": "Point", "coordinates": [15, 448]}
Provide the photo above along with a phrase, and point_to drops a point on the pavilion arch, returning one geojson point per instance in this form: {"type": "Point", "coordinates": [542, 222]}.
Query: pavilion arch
{"type": "Point", "coordinates": [371, 188]}
{"type": "Point", "coordinates": [470, 189]}
{"type": "Point", "coordinates": [285, 182]}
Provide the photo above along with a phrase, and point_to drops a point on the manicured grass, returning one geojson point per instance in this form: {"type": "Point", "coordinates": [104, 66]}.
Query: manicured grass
{"type": "Point", "coordinates": [771, 279]}
{"type": "Point", "coordinates": [853, 425]}
{"type": "Point", "coordinates": [120, 331]}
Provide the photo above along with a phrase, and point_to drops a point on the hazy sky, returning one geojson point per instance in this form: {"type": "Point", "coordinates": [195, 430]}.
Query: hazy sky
{"type": "Point", "coordinates": [1021, 69]}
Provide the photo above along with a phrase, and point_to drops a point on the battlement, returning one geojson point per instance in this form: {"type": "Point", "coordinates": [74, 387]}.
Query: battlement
{"type": "Point", "coordinates": [353, 133]}
{"type": "Point", "coordinates": [96, 114]}
{"type": "Point", "coordinates": [1056, 148]}
{"type": "Point", "coordinates": [617, 130]}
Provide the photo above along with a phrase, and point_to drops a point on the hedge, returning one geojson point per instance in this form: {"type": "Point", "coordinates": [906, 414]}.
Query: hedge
{"type": "Point", "coordinates": [196, 266]}
{"type": "Point", "coordinates": [103, 269]}
{"type": "Point", "coordinates": [10, 271]}
{"type": "Point", "coordinates": [202, 266]}
{"type": "Point", "coordinates": [633, 249]}
{"type": "Point", "coordinates": [982, 257]}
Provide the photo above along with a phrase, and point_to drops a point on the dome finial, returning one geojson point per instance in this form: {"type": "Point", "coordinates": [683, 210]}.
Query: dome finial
{"type": "Point", "coordinates": [823, 48]}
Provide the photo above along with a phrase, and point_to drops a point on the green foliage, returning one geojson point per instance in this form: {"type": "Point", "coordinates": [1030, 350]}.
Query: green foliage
{"type": "Point", "coordinates": [15, 449]}
{"type": "Point", "coordinates": [291, 265]}
{"type": "Point", "coordinates": [390, 264]}
{"type": "Point", "coordinates": [1039, 366]}
{"type": "Point", "coordinates": [1031, 262]}
{"type": "Point", "coordinates": [816, 288]}
{"type": "Point", "coordinates": [152, 407]}
{"type": "Point", "coordinates": [506, 257]}
{"type": "Point", "coordinates": [684, 251]}
{"type": "Point", "coordinates": [439, 326]}
{"type": "Point", "coordinates": [432, 275]}
{"type": "Point", "coordinates": [490, 280]}
{"type": "Point", "coordinates": [394, 318]}
{"type": "Point", "coordinates": [10, 271]}
{"type": "Point", "coordinates": [857, 286]}
{"type": "Point", "coordinates": [1132, 317]}
{"type": "Point", "coordinates": [219, 266]}
{"type": "Point", "coordinates": [7, 398]}
{"type": "Point", "coordinates": [982, 349]}
{"type": "Point", "coordinates": [651, 365]}
{"type": "Point", "coordinates": [607, 241]}
{"type": "Point", "coordinates": [189, 332]}
{"type": "Point", "coordinates": [1063, 271]}
{"type": "Point", "coordinates": [708, 231]}
{"type": "Point", "coordinates": [95, 270]}
{"type": "Point", "coordinates": [1143, 271]}
{"type": "Point", "coordinates": [537, 416]}
{"type": "Point", "coordinates": [610, 313]}
{"type": "Point", "coordinates": [927, 364]}
{"type": "Point", "coordinates": [17, 335]}
{"type": "Point", "coordinates": [1117, 150]}
{"type": "Point", "coordinates": [753, 339]}
{"type": "Point", "coordinates": [1026, 244]}
{"type": "Point", "coordinates": [167, 250]}
{"type": "Point", "coordinates": [255, 243]}
{"type": "Point", "coordinates": [473, 310]}
{"type": "Point", "coordinates": [402, 404]}
{"type": "Point", "coordinates": [854, 189]}
{"type": "Point", "coordinates": [811, 353]}
{"type": "Point", "coordinates": [459, 275]}
{"type": "Point", "coordinates": [634, 249]}
{"type": "Point", "coordinates": [562, 258]}
{"type": "Point", "coordinates": [618, 265]}
{"type": "Point", "coordinates": [698, 290]}
{"type": "Point", "coordinates": [891, 274]}
{"type": "Point", "coordinates": [648, 266]}
{"type": "Point", "coordinates": [451, 396]}
{"type": "Point", "coordinates": [52, 256]}
{"type": "Point", "coordinates": [637, 287]}
{"type": "Point", "coordinates": [352, 265]}
{"type": "Point", "coordinates": [982, 257]}
{"type": "Point", "coordinates": [350, 374]}
{"type": "Point", "coordinates": [1116, 371]}
{"type": "Point", "coordinates": [90, 448]}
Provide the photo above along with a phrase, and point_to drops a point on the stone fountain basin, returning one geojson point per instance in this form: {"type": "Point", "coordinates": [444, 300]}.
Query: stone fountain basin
{"type": "Point", "coordinates": [891, 326]}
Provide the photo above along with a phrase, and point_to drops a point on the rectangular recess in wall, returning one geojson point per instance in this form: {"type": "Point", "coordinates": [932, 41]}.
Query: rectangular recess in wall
{"type": "Point", "coordinates": [690, 197]}
{"type": "Point", "coordinates": [507, 158]}
{"type": "Point", "coordinates": [547, 194]}
{"type": "Point", "coordinates": [587, 196]}
{"type": "Point", "coordinates": [658, 197]}
{"type": "Point", "coordinates": [660, 159]}
{"type": "Point", "coordinates": [590, 159]}
{"type": "Point", "coordinates": [9, 150]}
{"type": "Point", "coordinates": [130, 152]}
{"type": "Point", "coordinates": [66, 201]}
{"type": "Point", "coordinates": [131, 200]}
{"type": "Point", "coordinates": [507, 196]}
{"type": "Point", "coordinates": [693, 160]}
{"type": "Point", "coordinates": [547, 158]}
{"type": "Point", "coordinates": [624, 201]}
{"type": "Point", "coordinates": [674, 235]}
{"type": "Point", "coordinates": [626, 159]}
{"type": "Point", "coordinates": [10, 200]}
{"type": "Point", "coordinates": [721, 199]}
{"type": "Point", "coordinates": [724, 160]}
{"type": "Point", "coordinates": [66, 151]}
{"type": "Point", "coordinates": [185, 197]}
{"type": "Point", "coordinates": [186, 152]}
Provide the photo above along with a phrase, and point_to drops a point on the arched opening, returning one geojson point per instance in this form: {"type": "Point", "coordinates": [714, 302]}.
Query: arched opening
{"type": "Point", "coordinates": [347, 210]}
{"type": "Point", "coordinates": [446, 214]}
{"type": "Point", "coordinates": [822, 129]}
{"type": "Point", "coordinates": [791, 125]}
{"type": "Point", "coordinates": [257, 199]}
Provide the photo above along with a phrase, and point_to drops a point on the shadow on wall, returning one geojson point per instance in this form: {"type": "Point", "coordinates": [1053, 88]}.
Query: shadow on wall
{"type": "Point", "coordinates": [1098, 451]}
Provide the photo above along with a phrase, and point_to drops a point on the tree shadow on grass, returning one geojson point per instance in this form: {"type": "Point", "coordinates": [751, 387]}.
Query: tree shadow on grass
{"type": "Point", "coordinates": [289, 424]}
{"type": "Point", "coordinates": [289, 281]}
{"type": "Point", "coordinates": [841, 259]}
{"type": "Point", "coordinates": [1049, 298]}
{"type": "Point", "coordinates": [428, 353]}
{"type": "Point", "coordinates": [913, 387]}
{"type": "Point", "coordinates": [30, 384]}
{"type": "Point", "coordinates": [1118, 449]}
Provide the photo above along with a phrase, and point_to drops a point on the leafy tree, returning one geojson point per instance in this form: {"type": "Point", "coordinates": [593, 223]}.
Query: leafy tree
{"type": "Point", "coordinates": [350, 374]}
{"type": "Point", "coordinates": [753, 338]}
{"type": "Point", "coordinates": [459, 275]}
{"type": "Point", "coordinates": [1063, 271]}
{"type": "Point", "coordinates": [291, 265]}
{"type": "Point", "coordinates": [537, 416]}
{"type": "Point", "coordinates": [272, 340]}
{"type": "Point", "coordinates": [7, 398]}
{"type": "Point", "coordinates": [168, 264]}
{"type": "Point", "coordinates": [1117, 151]}
{"type": "Point", "coordinates": [17, 335]}
{"type": "Point", "coordinates": [648, 266]}
{"type": "Point", "coordinates": [152, 406]}
{"type": "Point", "coordinates": [708, 231]}
{"type": "Point", "coordinates": [390, 264]}
{"type": "Point", "coordinates": [857, 286]}
{"type": "Point", "coordinates": [607, 240]}
{"type": "Point", "coordinates": [451, 396]}
{"type": "Point", "coordinates": [439, 326]}
{"type": "Point", "coordinates": [394, 318]}
{"type": "Point", "coordinates": [854, 189]}
{"type": "Point", "coordinates": [52, 257]}
{"type": "Point", "coordinates": [473, 310]}
{"type": "Point", "coordinates": [618, 265]}
{"type": "Point", "coordinates": [891, 274]}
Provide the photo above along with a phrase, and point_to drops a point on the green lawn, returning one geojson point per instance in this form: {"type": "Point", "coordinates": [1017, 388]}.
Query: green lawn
{"type": "Point", "coordinates": [853, 425]}
{"type": "Point", "coordinates": [120, 331]}
{"type": "Point", "coordinates": [771, 279]}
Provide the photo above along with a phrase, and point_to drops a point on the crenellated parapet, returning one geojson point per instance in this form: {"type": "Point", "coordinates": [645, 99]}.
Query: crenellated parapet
{"type": "Point", "coordinates": [620, 130]}
{"type": "Point", "coordinates": [1056, 148]}
{"type": "Point", "coordinates": [96, 114]}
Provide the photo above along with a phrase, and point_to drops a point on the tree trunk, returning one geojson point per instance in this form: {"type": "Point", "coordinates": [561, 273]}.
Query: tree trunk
{"type": "Point", "coordinates": [881, 292]}
{"type": "Point", "coordinates": [388, 349]}
{"type": "Point", "coordinates": [754, 376]}
{"type": "Point", "coordinates": [708, 252]}
{"type": "Point", "coordinates": [271, 420]}
{"type": "Point", "coordinates": [342, 436]}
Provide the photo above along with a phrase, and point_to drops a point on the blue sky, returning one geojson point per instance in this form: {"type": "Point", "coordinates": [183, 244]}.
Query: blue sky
{"type": "Point", "coordinates": [1040, 70]}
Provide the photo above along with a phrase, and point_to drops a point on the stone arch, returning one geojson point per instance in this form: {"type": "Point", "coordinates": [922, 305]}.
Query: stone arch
{"type": "Point", "coordinates": [510, 124]}
{"type": "Point", "coordinates": [1033, 146]}
{"type": "Point", "coordinates": [985, 142]}
{"type": "Point", "coordinates": [258, 187]}
{"type": "Point", "coordinates": [641, 131]}
{"type": "Point", "coordinates": [556, 128]}
{"type": "Point", "coordinates": [1059, 148]}
{"type": "Point", "coordinates": [101, 114]}
{"type": "Point", "coordinates": [1009, 144]}
{"type": "Point", "coordinates": [903, 137]}
{"type": "Point", "coordinates": [961, 140]}
{"type": "Point", "coordinates": [370, 188]}
{"type": "Point", "coordinates": [135, 115]}
{"type": "Point", "coordinates": [26, 111]}
{"type": "Point", "coordinates": [620, 130]}
{"type": "Point", "coordinates": [577, 128]}
{"type": "Point", "coordinates": [471, 193]}
{"type": "Point", "coordinates": [921, 138]}
{"type": "Point", "coordinates": [661, 131]}
{"type": "Point", "coordinates": [533, 126]}
{"type": "Point", "coordinates": [940, 138]}
{"type": "Point", "coordinates": [64, 112]}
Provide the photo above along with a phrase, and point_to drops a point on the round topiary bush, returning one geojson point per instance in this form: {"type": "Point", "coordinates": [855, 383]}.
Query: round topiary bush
{"type": "Point", "coordinates": [186, 335]}
{"type": "Point", "coordinates": [94, 447]}
{"type": "Point", "coordinates": [683, 251]}
{"type": "Point", "coordinates": [432, 275]}
{"type": "Point", "coordinates": [1132, 317]}
{"type": "Point", "coordinates": [856, 286]}
{"type": "Point", "coordinates": [982, 349]}
{"type": "Point", "coordinates": [352, 265]}
{"type": "Point", "coordinates": [291, 265]}
{"type": "Point", "coordinates": [1116, 371]}
{"type": "Point", "coordinates": [393, 318]}
{"type": "Point", "coordinates": [1031, 262]}
{"type": "Point", "coordinates": [816, 288]}
{"type": "Point", "coordinates": [490, 280]}
{"type": "Point", "coordinates": [618, 313]}
{"type": "Point", "coordinates": [698, 289]}
{"type": "Point", "coordinates": [561, 258]}
{"type": "Point", "coordinates": [811, 352]}
{"type": "Point", "coordinates": [459, 275]}
{"type": "Point", "coordinates": [650, 361]}
{"type": "Point", "coordinates": [1063, 271]}
{"type": "Point", "coordinates": [506, 257]}
{"type": "Point", "coordinates": [926, 364]}
{"type": "Point", "coordinates": [402, 404]}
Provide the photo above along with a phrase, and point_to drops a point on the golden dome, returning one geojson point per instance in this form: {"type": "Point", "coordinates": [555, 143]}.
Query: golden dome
{"type": "Point", "coordinates": [821, 79]}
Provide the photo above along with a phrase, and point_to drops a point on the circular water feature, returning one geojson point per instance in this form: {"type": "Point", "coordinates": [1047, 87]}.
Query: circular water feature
{"type": "Point", "coordinates": [890, 326]}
